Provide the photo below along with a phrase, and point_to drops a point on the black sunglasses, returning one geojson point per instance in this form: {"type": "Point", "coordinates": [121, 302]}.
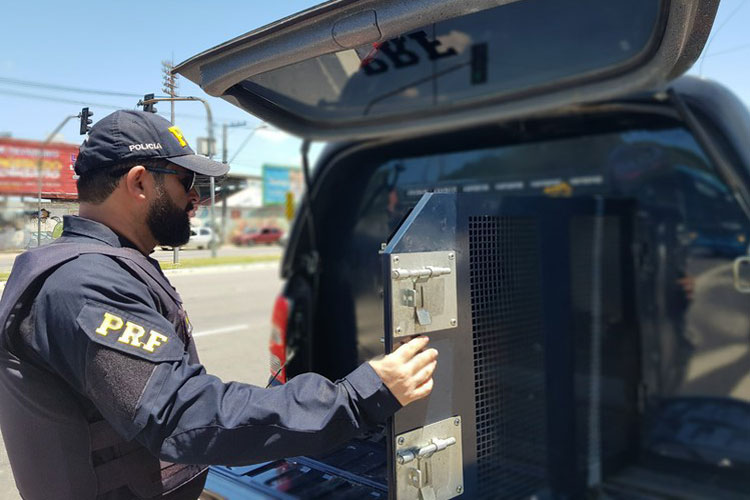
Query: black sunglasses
{"type": "Point", "coordinates": [188, 182]}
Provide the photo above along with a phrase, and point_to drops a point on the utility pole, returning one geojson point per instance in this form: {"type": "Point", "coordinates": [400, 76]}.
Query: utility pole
{"type": "Point", "coordinates": [169, 88]}
{"type": "Point", "coordinates": [170, 85]}
{"type": "Point", "coordinates": [224, 154]}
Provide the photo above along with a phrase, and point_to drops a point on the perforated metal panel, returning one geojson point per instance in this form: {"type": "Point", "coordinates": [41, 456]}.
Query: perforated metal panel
{"type": "Point", "coordinates": [506, 308]}
{"type": "Point", "coordinates": [546, 417]}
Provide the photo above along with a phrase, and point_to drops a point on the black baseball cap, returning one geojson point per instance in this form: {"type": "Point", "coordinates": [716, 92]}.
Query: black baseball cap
{"type": "Point", "coordinates": [129, 135]}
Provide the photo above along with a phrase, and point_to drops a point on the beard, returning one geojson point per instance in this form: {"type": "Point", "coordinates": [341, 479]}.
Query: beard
{"type": "Point", "coordinates": [169, 224]}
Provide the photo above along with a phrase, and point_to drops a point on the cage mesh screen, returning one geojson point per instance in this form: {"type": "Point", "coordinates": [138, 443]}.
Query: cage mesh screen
{"type": "Point", "coordinates": [509, 372]}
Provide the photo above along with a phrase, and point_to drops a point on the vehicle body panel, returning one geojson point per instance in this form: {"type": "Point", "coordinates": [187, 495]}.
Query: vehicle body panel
{"type": "Point", "coordinates": [240, 70]}
{"type": "Point", "coordinates": [629, 179]}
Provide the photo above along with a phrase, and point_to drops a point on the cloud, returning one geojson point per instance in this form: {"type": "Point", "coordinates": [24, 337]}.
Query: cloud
{"type": "Point", "coordinates": [273, 135]}
{"type": "Point", "coordinates": [293, 159]}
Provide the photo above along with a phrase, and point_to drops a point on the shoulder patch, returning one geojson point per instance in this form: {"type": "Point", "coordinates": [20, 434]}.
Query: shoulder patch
{"type": "Point", "coordinates": [130, 333]}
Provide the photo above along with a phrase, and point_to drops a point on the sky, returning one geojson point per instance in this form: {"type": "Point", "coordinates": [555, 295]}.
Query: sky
{"type": "Point", "coordinates": [118, 47]}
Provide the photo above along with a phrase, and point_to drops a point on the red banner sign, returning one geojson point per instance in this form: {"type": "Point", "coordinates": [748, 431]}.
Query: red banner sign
{"type": "Point", "coordinates": [19, 168]}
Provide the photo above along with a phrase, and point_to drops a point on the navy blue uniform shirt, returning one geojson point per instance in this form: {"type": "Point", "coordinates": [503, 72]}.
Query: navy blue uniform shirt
{"type": "Point", "coordinates": [99, 328]}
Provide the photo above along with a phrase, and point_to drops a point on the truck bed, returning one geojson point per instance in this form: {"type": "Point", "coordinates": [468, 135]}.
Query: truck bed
{"type": "Point", "coordinates": [353, 472]}
{"type": "Point", "coordinates": [357, 471]}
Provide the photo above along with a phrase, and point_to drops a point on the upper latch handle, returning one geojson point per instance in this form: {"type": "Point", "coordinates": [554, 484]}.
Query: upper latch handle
{"type": "Point", "coordinates": [436, 444]}
{"type": "Point", "coordinates": [426, 272]}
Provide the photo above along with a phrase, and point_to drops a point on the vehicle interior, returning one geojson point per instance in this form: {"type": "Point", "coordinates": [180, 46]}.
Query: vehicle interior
{"type": "Point", "coordinates": [672, 340]}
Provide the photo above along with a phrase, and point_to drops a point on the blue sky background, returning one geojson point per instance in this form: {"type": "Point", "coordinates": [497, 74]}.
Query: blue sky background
{"type": "Point", "coordinates": [119, 46]}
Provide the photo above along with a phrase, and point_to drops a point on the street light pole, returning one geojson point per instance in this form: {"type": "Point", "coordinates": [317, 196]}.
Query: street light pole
{"type": "Point", "coordinates": [224, 153]}
{"type": "Point", "coordinates": [224, 142]}
{"type": "Point", "coordinates": [39, 176]}
{"type": "Point", "coordinates": [213, 243]}
{"type": "Point", "coordinates": [170, 86]}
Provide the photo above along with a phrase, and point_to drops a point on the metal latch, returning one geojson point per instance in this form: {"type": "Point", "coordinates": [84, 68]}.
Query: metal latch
{"type": "Point", "coordinates": [425, 273]}
{"type": "Point", "coordinates": [423, 288]}
{"type": "Point", "coordinates": [436, 444]}
{"type": "Point", "coordinates": [429, 462]}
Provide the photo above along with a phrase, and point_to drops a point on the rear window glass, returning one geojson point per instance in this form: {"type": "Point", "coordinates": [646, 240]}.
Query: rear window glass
{"type": "Point", "coordinates": [665, 166]}
{"type": "Point", "coordinates": [689, 339]}
{"type": "Point", "coordinates": [522, 46]}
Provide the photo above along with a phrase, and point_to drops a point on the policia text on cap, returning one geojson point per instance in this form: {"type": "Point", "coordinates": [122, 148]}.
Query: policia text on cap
{"type": "Point", "coordinates": [101, 391]}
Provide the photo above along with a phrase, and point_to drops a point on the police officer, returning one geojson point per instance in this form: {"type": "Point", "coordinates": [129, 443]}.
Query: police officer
{"type": "Point", "coordinates": [101, 391]}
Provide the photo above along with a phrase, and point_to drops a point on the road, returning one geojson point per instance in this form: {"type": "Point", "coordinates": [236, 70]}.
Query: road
{"type": "Point", "coordinates": [230, 310]}
{"type": "Point", "coordinates": [717, 325]}
{"type": "Point", "coordinates": [225, 251]}
{"type": "Point", "coordinates": [6, 259]}
{"type": "Point", "coordinates": [231, 315]}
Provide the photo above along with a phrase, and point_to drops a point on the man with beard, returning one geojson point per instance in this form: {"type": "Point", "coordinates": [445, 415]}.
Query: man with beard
{"type": "Point", "coordinates": [101, 391]}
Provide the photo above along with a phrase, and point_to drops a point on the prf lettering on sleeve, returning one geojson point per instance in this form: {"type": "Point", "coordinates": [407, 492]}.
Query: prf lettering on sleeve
{"type": "Point", "coordinates": [132, 333]}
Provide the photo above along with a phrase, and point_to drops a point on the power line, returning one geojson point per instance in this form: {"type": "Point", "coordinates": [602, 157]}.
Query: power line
{"type": "Point", "coordinates": [715, 34]}
{"type": "Point", "coordinates": [57, 99]}
{"type": "Point", "coordinates": [101, 105]}
{"type": "Point", "coordinates": [64, 88]}
{"type": "Point", "coordinates": [51, 86]}
{"type": "Point", "coordinates": [736, 48]}
{"type": "Point", "coordinates": [63, 100]}
{"type": "Point", "coordinates": [244, 143]}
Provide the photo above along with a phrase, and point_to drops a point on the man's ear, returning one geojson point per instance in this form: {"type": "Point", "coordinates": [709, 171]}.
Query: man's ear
{"type": "Point", "coordinates": [135, 182]}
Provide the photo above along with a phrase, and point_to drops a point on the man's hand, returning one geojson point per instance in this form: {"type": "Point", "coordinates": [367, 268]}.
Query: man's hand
{"type": "Point", "coordinates": [407, 371]}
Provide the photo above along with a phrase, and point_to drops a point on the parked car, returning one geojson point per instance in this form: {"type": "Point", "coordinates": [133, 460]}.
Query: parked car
{"type": "Point", "coordinates": [200, 238]}
{"type": "Point", "coordinates": [510, 179]}
{"type": "Point", "coordinates": [267, 236]}
{"type": "Point", "coordinates": [242, 237]}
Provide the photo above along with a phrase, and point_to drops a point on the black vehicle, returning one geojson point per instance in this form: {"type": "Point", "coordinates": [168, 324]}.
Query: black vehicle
{"type": "Point", "coordinates": [533, 186]}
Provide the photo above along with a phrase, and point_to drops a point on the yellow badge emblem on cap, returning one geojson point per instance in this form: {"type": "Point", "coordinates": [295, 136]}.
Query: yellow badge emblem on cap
{"type": "Point", "coordinates": [178, 135]}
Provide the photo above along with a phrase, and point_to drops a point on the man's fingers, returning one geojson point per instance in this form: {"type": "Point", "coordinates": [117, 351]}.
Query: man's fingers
{"type": "Point", "coordinates": [422, 359]}
{"type": "Point", "coordinates": [408, 370]}
{"type": "Point", "coordinates": [423, 390]}
{"type": "Point", "coordinates": [424, 374]}
{"type": "Point", "coordinates": [408, 350]}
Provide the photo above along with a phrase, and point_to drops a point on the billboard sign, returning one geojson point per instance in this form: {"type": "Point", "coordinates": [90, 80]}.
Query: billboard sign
{"type": "Point", "coordinates": [278, 180]}
{"type": "Point", "coordinates": [19, 168]}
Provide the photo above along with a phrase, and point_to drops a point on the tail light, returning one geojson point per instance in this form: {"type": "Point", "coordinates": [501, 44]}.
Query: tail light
{"type": "Point", "coordinates": [277, 344]}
